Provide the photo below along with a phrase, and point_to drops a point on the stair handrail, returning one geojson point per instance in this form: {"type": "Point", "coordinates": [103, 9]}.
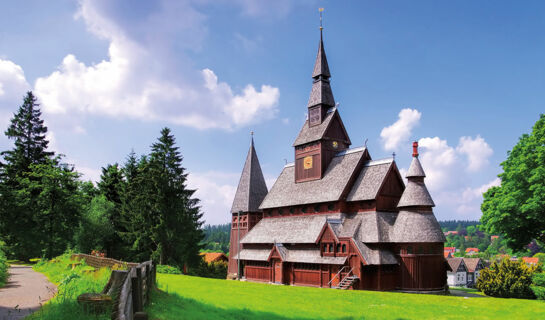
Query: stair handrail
{"type": "Point", "coordinates": [338, 273]}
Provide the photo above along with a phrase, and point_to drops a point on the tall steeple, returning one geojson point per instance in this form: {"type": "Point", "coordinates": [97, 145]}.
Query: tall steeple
{"type": "Point", "coordinates": [251, 188]}
{"type": "Point", "coordinates": [321, 96]}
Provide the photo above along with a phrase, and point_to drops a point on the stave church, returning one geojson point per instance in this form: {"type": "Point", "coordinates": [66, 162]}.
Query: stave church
{"type": "Point", "coordinates": [335, 217]}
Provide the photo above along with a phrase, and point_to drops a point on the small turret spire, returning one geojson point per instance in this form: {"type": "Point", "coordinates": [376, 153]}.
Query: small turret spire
{"type": "Point", "coordinates": [416, 194]}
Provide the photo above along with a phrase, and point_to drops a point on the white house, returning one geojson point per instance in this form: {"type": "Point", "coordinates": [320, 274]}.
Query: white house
{"type": "Point", "coordinates": [474, 266]}
{"type": "Point", "coordinates": [458, 276]}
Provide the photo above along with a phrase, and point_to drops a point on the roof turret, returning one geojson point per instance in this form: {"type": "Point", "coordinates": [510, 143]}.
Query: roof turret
{"type": "Point", "coordinates": [251, 188]}
{"type": "Point", "coordinates": [416, 194]}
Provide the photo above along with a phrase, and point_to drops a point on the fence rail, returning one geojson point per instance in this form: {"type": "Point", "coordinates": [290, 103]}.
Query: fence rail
{"type": "Point", "coordinates": [131, 289]}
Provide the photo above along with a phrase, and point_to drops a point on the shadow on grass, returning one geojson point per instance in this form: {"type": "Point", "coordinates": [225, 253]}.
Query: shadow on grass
{"type": "Point", "coordinates": [167, 306]}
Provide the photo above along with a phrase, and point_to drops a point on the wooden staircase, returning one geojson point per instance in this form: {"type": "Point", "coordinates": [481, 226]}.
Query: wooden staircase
{"type": "Point", "coordinates": [346, 282]}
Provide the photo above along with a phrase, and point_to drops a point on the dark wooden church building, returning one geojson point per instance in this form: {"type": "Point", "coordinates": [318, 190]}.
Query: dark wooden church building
{"type": "Point", "coordinates": [336, 217]}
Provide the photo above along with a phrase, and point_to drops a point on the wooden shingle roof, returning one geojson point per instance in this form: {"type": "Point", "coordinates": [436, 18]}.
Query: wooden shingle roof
{"type": "Point", "coordinates": [411, 226]}
{"type": "Point", "coordinates": [285, 192]}
{"type": "Point", "coordinates": [251, 188]}
{"type": "Point", "coordinates": [370, 179]}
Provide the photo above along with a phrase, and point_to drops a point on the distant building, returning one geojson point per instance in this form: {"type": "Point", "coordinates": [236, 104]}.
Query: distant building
{"type": "Point", "coordinates": [530, 261]}
{"type": "Point", "coordinates": [210, 257]}
{"type": "Point", "coordinates": [451, 232]}
{"type": "Point", "coordinates": [447, 254]}
{"type": "Point", "coordinates": [472, 251]}
{"type": "Point", "coordinates": [492, 238]}
{"type": "Point", "coordinates": [450, 249]}
{"type": "Point", "coordinates": [474, 266]}
{"type": "Point", "coordinates": [458, 276]}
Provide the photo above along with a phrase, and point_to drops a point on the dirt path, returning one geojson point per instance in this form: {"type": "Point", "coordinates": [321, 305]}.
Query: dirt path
{"type": "Point", "coordinates": [24, 293]}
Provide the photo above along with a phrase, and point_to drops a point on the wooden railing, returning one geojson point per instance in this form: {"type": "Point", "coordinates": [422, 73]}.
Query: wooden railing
{"type": "Point", "coordinates": [134, 292]}
{"type": "Point", "coordinates": [130, 289]}
{"type": "Point", "coordinates": [339, 275]}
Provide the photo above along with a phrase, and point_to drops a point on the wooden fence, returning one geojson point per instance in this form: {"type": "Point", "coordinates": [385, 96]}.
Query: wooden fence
{"type": "Point", "coordinates": [134, 292]}
{"type": "Point", "coordinates": [130, 289]}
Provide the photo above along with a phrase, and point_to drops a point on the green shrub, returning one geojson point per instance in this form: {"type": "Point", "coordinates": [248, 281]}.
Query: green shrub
{"type": "Point", "coordinates": [216, 270]}
{"type": "Point", "coordinates": [507, 279]}
{"type": "Point", "coordinates": [163, 268]}
{"type": "Point", "coordinates": [539, 292]}
{"type": "Point", "coordinates": [4, 266]}
{"type": "Point", "coordinates": [538, 279]}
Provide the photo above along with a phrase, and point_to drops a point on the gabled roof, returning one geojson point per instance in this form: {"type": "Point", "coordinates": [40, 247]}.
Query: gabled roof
{"type": "Point", "coordinates": [251, 188]}
{"type": "Point", "coordinates": [455, 263]}
{"type": "Point", "coordinates": [213, 256]}
{"type": "Point", "coordinates": [472, 263]}
{"type": "Point", "coordinates": [285, 192]}
{"type": "Point", "coordinates": [318, 132]}
{"type": "Point", "coordinates": [370, 179]}
{"type": "Point", "coordinates": [298, 229]}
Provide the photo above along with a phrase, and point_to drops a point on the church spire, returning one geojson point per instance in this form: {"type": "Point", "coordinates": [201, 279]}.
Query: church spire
{"type": "Point", "coordinates": [416, 194]}
{"type": "Point", "coordinates": [251, 188]}
{"type": "Point", "coordinates": [321, 96]}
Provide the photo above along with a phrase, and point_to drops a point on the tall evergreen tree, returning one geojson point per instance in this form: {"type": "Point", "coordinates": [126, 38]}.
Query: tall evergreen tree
{"type": "Point", "coordinates": [166, 217]}
{"type": "Point", "coordinates": [29, 134]}
{"type": "Point", "coordinates": [112, 186]}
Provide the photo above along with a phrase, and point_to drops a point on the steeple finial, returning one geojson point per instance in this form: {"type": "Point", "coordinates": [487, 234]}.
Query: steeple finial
{"type": "Point", "coordinates": [320, 67]}
{"type": "Point", "coordinates": [321, 27]}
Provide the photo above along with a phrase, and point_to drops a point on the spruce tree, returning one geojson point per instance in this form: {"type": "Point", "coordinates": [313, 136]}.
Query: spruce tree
{"type": "Point", "coordinates": [112, 186]}
{"type": "Point", "coordinates": [165, 216]}
{"type": "Point", "coordinates": [29, 134]}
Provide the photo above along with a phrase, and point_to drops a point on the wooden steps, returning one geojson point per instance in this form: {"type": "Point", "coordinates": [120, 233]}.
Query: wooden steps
{"type": "Point", "coordinates": [346, 282]}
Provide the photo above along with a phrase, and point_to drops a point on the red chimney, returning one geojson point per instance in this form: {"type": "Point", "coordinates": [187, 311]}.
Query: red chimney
{"type": "Point", "coordinates": [415, 149]}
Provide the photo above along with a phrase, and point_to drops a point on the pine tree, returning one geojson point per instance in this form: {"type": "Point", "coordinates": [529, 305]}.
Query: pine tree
{"type": "Point", "coordinates": [29, 133]}
{"type": "Point", "coordinates": [112, 186]}
{"type": "Point", "coordinates": [165, 217]}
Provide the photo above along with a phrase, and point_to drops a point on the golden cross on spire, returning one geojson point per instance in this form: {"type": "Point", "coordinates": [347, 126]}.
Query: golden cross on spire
{"type": "Point", "coordinates": [321, 10]}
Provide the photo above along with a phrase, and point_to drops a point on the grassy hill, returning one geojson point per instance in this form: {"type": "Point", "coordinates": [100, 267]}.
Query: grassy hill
{"type": "Point", "coordinates": [188, 297]}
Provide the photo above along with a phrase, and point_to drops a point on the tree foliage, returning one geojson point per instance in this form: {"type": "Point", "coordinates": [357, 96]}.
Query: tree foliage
{"type": "Point", "coordinates": [516, 208]}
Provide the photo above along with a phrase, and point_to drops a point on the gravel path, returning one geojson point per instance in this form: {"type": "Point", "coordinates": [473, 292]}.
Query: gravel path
{"type": "Point", "coordinates": [24, 293]}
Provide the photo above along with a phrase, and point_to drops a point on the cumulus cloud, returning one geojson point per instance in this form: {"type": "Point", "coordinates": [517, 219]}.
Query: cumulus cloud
{"type": "Point", "coordinates": [438, 159]}
{"type": "Point", "coordinates": [400, 131]}
{"type": "Point", "coordinates": [216, 190]}
{"type": "Point", "coordinates": [13, 84]}
{"type": "Point", "coordinates": [476, 150]}
{"type": "Point", "coordinates": [144, 76]}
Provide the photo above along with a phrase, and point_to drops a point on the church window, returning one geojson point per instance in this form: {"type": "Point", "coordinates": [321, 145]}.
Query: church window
{"type": "Point", "coordinates": [304, 209]}
{"type": "Point", "coordinates": [409, 250]}
{"type": "Point", "coordinates": [331, 207]}
{"type": "Point", "coordinates": [344, 248]}
{"type": "Point", "coordinates": [325, 247]}
{"type": "Point", "coordinates": [292, 210]}
{"type": "Point", "coordinates": [331, 247]}
{"type": "Point", "coordinates": [339, 247]}
{"type": "Point", "coordinates": [280, 211]}
{"type": "Point", "coordinates": [317, 208]}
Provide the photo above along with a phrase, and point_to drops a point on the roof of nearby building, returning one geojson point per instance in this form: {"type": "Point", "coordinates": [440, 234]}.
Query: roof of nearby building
{"type": "Point", "coordinates": [285, 192]}
{"type": "Point", "coordinates": [213, 256]}
{"type": "Point", "coordinates": [455, 263]}
{"type": "Point", "coordinates": [370, 179]}
{"type": "Point", "coordinates": [447, 254]}
{"type": "Point", "coordinates": [530, 260]}
{"type": "Point", "coordinates": [252, 188]}
{"type": "Point", "coordinates": [472, 263]}
{"type": "Point", "coordinates": [472, 249]}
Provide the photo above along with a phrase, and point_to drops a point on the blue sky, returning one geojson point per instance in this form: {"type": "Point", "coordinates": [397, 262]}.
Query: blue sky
{"type": "Point", "coordinates": [464, 78]}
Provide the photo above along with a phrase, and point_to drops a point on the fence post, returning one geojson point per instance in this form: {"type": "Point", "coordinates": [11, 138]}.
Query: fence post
{"type": "Point", "coordinates": [139, 288]}
{"type": "Point", "coordinates": [154, 269]}
{"type": "Point", "coordinates": [134, 294]}
{"type": "Point", "coordinates": [148, 282]}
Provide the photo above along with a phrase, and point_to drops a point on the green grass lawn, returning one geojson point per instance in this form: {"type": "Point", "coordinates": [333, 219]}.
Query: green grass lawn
{"type": "Point", "coordinates": [70, 283]}
{"type": "Point", "coordinates": [188, 297]}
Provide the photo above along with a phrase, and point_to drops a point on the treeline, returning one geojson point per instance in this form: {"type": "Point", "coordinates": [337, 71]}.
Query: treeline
{"type": "Point", "coordinates": [451, 225]}
{"type": "Point", "coordinates": [139, 210]}
{"type": "Point", "coordinates": [216, 238]}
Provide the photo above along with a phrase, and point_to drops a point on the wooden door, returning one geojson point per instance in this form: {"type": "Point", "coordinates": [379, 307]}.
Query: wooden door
{"type": "Point", "coordinates": [278, 271]}
{"type": "Point", "coordinates": [334, 278]}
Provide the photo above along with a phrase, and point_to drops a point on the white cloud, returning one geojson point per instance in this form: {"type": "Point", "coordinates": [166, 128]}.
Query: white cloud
{"type": "Point", "coordinates": [466, 202]}
{"type": "Point", "coordinates": [89, 174]}
{"type": "Point", "coordinates": [145, 78]}
{"type": "Point", "coordinates": [13, 84]}
{"type": "Point", "coordinates": [216, 190]}
{"type": "Point", "coordinates": [476, 150]}
{"type": "Point", "coordinates": [438, 159]}
{"type": "Point", "coordinates": [400, 131]}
